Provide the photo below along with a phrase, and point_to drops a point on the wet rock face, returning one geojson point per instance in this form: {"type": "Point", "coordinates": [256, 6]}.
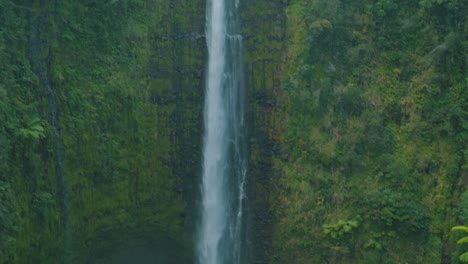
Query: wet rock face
{"type": "Point", "coordinates": [263, 28]}
{"type": "Point", "coordinates": [130, 103]}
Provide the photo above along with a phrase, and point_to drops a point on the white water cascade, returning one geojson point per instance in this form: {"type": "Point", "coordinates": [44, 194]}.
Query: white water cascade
{"type": "Point", "coordinates": [222, 234]}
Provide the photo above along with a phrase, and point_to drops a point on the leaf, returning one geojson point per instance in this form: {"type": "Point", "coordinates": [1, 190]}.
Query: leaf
{"type": "Point", "coordinates": [37, 128]}
{"type": "Point", "coordinates": [462, 240]}
{"type": "Point", "coordinates": [347, 228]}
{"type": "Point", "coordinates": [34, 131]}
{"type": "Point", "coordinates": [460, 228]}
{"type": "Point", "coordinates": [353, 223]}
{"type": "Point", "coordinates": [464, 257]}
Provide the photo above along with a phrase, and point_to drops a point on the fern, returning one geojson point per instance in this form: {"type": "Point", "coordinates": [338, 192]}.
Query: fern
{"type": "Point", "coordinates": [34, 130]}
{"type": "Point", "coordinates": [460, 228]}
{"type": "Point", "coordinates": [463, 257]}
{"type": "Point", "coordinates": [463, 240]}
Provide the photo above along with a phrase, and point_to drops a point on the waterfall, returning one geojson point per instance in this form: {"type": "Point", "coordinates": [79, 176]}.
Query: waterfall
{"type": "Point", "coordinates": [38, 37]}
{"type": "Point", "coordinates": [60, 171]}
{"type": "Point", "coordinates": [221, 234]}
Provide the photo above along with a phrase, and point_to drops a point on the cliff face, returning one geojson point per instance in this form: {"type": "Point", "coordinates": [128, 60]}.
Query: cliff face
{"type": "Point", "coordinates": [373, 162]}
{"type": "Point", "coordinates": [357, 117]}
{"type": "Point", "coordinates": [264, 27]}
{"type": "Point", "coordinates": [117, 172]}
{"type": "Point", "coordinates": [128, 81]}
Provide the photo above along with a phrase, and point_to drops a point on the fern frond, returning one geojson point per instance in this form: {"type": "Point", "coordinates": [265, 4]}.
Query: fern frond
{"type": "Point", "coordinates": [460, 228]}
{"type": "Point", "coordinates": [464, 257]}
{"type": "Point", "coordinates": [463, 240]}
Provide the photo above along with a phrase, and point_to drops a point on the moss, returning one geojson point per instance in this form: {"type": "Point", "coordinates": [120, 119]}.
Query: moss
{"type": "Point", "coordinates": [346, 101]}
{"type": "Point", "coordinates": [127, 126]}
{"type": "Point", "coordinates": [361, 119]}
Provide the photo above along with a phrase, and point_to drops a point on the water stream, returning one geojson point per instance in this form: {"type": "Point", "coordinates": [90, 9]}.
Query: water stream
{"type": "Point", "coordinates": [38, 37]}
{"type": "Point", "coordinates": [60, 171]}
{"type": "Point", "coordinates": [222, 233]}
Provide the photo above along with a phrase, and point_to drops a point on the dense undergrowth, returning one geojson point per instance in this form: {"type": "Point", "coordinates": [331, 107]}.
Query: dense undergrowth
{"type": "Point", "coordinates": [374, 159]}
{"type": "Point", "coordinates": [127, 79]}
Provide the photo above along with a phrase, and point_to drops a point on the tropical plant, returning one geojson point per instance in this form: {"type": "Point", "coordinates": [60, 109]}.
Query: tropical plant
{"type": "Point", "coordinates": [464, 240]}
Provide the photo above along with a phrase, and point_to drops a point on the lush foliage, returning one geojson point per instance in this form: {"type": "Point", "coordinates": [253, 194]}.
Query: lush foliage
{"type": "Point", "coordinates": [463, 257]}
{"type": "Point", "coordinates": [126, 77]}
{"type": "Point", "coordinates": [377, 132]}
{"type": "Point", "coordinates": [358, 116]}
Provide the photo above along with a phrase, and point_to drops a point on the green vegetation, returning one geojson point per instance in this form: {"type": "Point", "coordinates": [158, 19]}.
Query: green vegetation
{"type": "Point", "coordinates": [376, 132]}
{"type": "Point", "coordinates": [463, 257]}
{"type": "Point", "coordinates": [127, 78]}
{"type": "Point", "coordinates": [358, 128]}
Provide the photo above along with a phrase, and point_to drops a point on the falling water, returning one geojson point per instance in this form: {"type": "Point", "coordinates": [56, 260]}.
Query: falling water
{"type": "Point", "coordinates": [221, 234]}
{"type": "Point", "coordinates": [38, 37]}
{"type": "Point", "coordinates": [59, 157]}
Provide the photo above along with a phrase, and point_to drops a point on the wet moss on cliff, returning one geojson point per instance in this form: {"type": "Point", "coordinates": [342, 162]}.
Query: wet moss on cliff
{"type": "Point", "coordinates": [127, 78]}
{"type": "Point", "coordinates": [373, 159]}
{"type": "Point", "coordinates": [357, 115]}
